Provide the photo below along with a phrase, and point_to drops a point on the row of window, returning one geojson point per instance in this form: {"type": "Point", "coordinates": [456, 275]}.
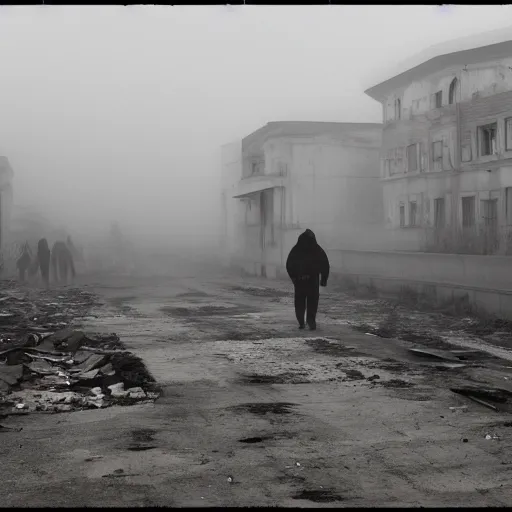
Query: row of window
{"type": "Point", "coordinates": [488, 210]}
{"type": "Point", "coordinates": [487, 145]}
{"type": "Point", "coordinates": [436, 99]}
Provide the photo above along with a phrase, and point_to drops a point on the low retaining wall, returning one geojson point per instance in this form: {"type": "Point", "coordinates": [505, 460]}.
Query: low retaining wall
{"type": "Point", "coordinates": [482, 284]}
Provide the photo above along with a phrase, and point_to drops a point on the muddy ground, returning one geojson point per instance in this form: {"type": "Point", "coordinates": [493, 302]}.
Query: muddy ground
{"type": "Point", "coordinates": [256, 412]}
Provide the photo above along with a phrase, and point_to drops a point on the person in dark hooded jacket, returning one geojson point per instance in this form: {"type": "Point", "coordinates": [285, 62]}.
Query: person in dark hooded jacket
{"type": "Point", "coordinates": [308, 267]}
{"type": "Point", "coordinates": [43, 257]}
{"type": "Point", "coordinates": [62, 263]}
{"type": "Point", "coordinates": [24, 261]}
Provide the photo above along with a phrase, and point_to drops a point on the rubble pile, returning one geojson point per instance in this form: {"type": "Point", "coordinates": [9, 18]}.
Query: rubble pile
{"type": "Point", "coordinates": [46, 366]}
{"type": "Point", "coordinates": [68, 370]}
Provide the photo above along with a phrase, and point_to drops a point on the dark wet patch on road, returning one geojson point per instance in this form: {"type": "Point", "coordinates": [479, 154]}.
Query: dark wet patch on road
{"type": "Point", "coordinates": [195, 311]}
{"type": "Point", "coordinates": [331, 347]}
{"type": "Point", "coordinates": [397, 383]}
{"type": "Point", "coordinates": [192, 294]}
{"type": "Point", "coordinates": [260, 292]}
{"type": "Point", "coordinates": [281, 378]}
{"type": "Point", "coordinates": [263, 408]}
{"type": "Point", "coordinates": [353, 374]}
{"type": "Point", "coordinates": [293, 479]}
{"type": "Point", "coordinates": [253, 440]}
{"type": "Point", "coordinates": [319, 496]}
{"type": "Point", "coordinates": [142, 440]}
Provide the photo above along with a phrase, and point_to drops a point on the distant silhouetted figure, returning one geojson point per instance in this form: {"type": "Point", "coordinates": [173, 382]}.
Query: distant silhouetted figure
{"type": "Point", "coordinates": [308, 266]}
{"type": "Point", "coordinates": [24, 261]}
{"type": "Point", "coordinates": [62, 262]}
{"type": "Point", "coordinates": [43, 257]}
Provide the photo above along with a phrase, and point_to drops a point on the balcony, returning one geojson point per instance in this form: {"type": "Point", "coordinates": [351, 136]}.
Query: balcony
{"type": "Point", "coordinates": [258, 183]}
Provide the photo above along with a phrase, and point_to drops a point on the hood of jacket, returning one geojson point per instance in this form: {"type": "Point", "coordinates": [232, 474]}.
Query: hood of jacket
{"type": "Point", "coordinates": [306, 239]}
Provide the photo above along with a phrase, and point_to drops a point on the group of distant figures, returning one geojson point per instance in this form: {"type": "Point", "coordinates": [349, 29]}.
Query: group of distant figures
{"type": "Point", "coordinates": [59, 260]}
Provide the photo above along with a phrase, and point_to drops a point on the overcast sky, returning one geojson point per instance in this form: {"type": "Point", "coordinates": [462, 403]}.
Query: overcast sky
{"type": "Point", "coordinates": [118, 112]}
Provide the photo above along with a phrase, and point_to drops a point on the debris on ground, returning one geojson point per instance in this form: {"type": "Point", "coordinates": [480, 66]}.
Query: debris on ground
{"type": "Point", "coordinates": [487, 397]}
{"type": "Point", "coordinates": [47, 366]}
{"type": "Point", "coordinates": [463, 408]}
{"type": "Point", "coordinates": [491, 436]}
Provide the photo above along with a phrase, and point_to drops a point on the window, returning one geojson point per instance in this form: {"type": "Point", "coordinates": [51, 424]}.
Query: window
{"type": "Point", "coordinates": [412, 158]}
{"type": "Point", "coordinates": [438, 100]}
{"type": "Point", "coordinates": [413, 213]}
{"type": "Point", "coordinates": [398, 109]}
{"type": "Point", "coordinates": [508, 134]}
{"type": "Point", "coordinates": [508, 204]}
{"type": "Point", "coordinates": [490, 212]}
{"type": "Point", "coordinates": [487, 139]}
{"type": "Point", "coordinates": [452, 93]}
{"type": "Point", "coordinates": [439, 212]}
{"type": "Point", "coordinates": [465, 150]}
{"type": "Point", "coordinates": [437, 155]}
{"type": "Point", "coordinates": [402, 215]}
{"type": "Point", "coordinates": [254, 168]}
{"type": "Point", "coordinates": [468, 212]}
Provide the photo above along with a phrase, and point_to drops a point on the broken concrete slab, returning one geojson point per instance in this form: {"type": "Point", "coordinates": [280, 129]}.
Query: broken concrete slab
{"type": "Point", "coordinates": [41, 366]}
{"type": "Point", "coordinates": [108, 369]}
{"type": "Point", "coordinates": [434, 353]}
{"type": "Point", "coordinates": [118, 391]}
{"type": "Point", "coordinates": [93, 361]}
{"type": "Point", "coordinates": [491, 394]}
{"type": "Point", "coordinates": [87, 375]}
{"type": "Point", "coordinates": [136, 392]}
{"type": "Point", "coordinates": [81, 356]}
{"type": "Point", "coordinates": [11, 374]}
{"type": "Point", "coordinates": [74, 342]}
{"type": "Point", "coordinates": [60, 336]}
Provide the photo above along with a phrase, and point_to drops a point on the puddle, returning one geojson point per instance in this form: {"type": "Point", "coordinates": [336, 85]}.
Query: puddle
{"type": "Point", "coordinates": [252, 440]}
{"type": "Point", "coordinates": [319, 496]}
{"type": "Point", "coordinates": [263, 408]}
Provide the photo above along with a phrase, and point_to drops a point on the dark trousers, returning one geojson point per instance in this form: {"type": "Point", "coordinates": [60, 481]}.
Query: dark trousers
{"type": "Point", "coordinates": [307, 293]}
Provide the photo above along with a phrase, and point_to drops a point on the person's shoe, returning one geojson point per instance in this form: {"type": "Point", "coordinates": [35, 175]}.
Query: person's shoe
{"type": "Point", "coordinates": [301, 326]}
{"type": "Point", "coordinates": [312, 326]}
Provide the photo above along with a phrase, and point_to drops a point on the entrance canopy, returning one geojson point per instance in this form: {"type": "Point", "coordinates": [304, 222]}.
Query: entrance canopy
{"type": "Point", "coordinates": [255, 184]}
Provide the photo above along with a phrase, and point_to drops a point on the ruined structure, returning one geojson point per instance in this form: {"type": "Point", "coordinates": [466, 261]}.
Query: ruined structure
{"type": "Point", "coordinates": [289, 176]}
{"type": "Point", "coordinates": [446, 159]}
{"type": "Point", "coordinates": [6, 175]}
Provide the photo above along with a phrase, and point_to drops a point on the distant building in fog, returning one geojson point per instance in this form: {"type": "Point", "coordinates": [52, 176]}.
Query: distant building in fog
{"type": "Point", "coordinates": [446, 160]}
{"type": "Point", "coordinates": [232, 210]}
{"type": "Point", "coordinates": [289, 176]}
{"type": "Point", "coordinates": [6, 175]}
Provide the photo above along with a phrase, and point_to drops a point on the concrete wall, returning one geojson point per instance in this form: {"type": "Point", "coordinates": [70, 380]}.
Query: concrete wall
{"type": "Point", "coordinates": [486, 281]}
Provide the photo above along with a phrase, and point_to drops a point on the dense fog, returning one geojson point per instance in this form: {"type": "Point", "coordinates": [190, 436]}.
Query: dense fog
{"type": "Point", "coordinates": [118, 113]}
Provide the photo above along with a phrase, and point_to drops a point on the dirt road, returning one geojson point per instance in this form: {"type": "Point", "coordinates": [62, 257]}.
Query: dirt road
{"type": "Point", "coordinates": [256, 412]}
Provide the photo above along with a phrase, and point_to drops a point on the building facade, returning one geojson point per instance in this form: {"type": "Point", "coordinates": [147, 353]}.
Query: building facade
{"type": "Point", "coordinates": [6, 196]}
{"type": "Point", "coordinates": [298, 175]}
{"type": "Point", "coordinates": [446, 157]}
